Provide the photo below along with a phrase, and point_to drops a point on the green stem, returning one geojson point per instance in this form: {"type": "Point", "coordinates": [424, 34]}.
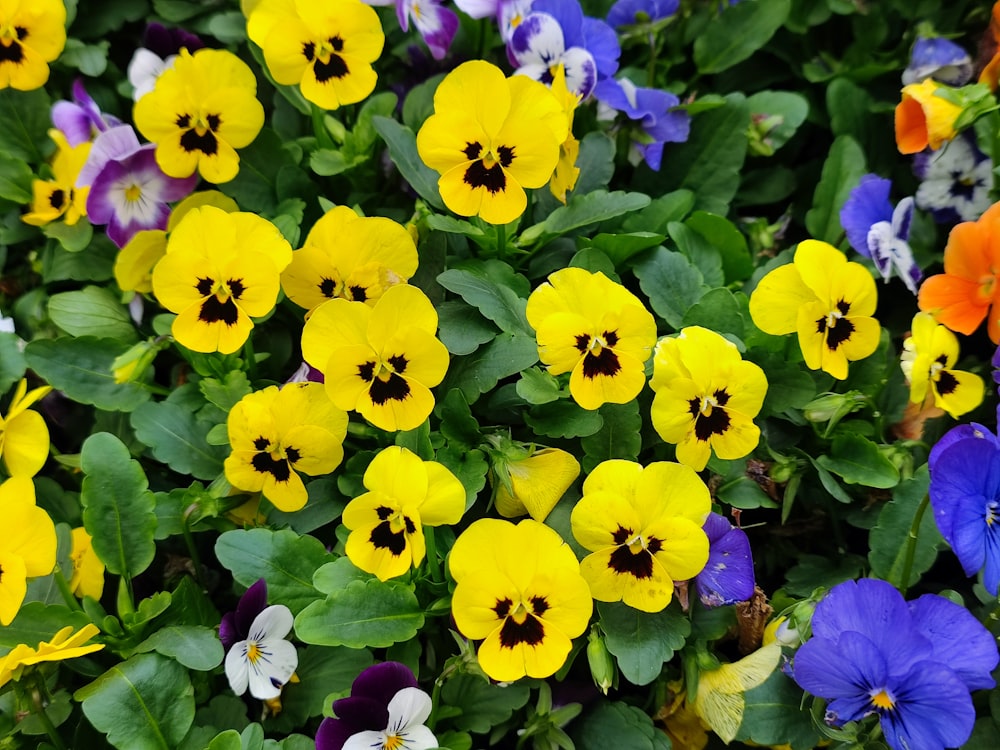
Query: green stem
{"type": "Point", "coordinates": [50, 728]}
{"type": "Point", "coordinates": [251, 358]}
{"type": "Point", "coordinates": [435, 699]}
{"type": "Point", "coordinates": [193, 548]}
{"type": "Point", "coordinates": [911, 545]}
{"type": "Point", "coordinates": [501, 241]}
{"type": "Point", "coordinates": [430, 544]}
{"type": "Point", "coordinates": [65, 590]}
{"type": "Point", "coordinates": [323, 137]}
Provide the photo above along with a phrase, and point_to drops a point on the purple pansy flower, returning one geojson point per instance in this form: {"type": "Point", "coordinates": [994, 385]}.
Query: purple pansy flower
{"type": "Point", "coordinates": [940, 59]}
{"type": "Point", "coordinates": [128, 190]}
{"type": "Point", "coordinates": [955, 180]}
{"type": "Point", "coordinates": [81, 119]}
{"type": "Point", "coordinates": [912, 665]}
{"type": "Point", "coordinates": [437, 25]}
{"type": "Point", "coordinates": [631, 12]}
{"type": "Point", "coordinates": [655, 113]}
{"type": "Point", "coordinates": [728, 575]}
{"type": "Point", "coordinates": [880, 232]}
{"type": "Point", "coordinates": [385, 711]}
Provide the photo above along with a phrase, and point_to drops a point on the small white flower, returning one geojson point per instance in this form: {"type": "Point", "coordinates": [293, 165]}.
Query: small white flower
{"type": "Point", "coordinates": [264, 661]}
{"type": "Point", "coordinates": [408, 710]}
{"type": "Point", "coordinates": [143, 70]}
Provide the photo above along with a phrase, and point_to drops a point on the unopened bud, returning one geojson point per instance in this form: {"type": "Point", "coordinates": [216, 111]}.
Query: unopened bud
{"type": "Point", "coordinates": [602, 666]}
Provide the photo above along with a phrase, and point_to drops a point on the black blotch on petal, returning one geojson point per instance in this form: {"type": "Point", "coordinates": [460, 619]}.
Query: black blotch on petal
{"type": "Point", "coordinates": [531, 631]}
{"type": "Point", "coordinates": [637, 565]}
{"type": "Point", "coordinates": [478, 176]}
{"type": "Point", "coordinates": [393, 389]}
{"type": "Point", "coordinates": [335, 67]}
{"type": "Point", "coordinates": [716, 423]}
{"type": "Point", "coordinates": [213, 311]}
{"type": "Point", "coordinates": [605, 363]}
{"type": "Point", "coordinates": [366, 371]}
{"type": "Point", "coordinates": [58, 198]}
{"type": "Point", "coordinates": [277, 468]}
{"type": "Point", "coordinates": [359, 293]}
{"type": "Point", "coordinates": [382, 537]}
{"type": "Point", "coordinates": [946, 383]}
{"type": "Point", "coordinates": [207, 143]}
{"type": "Point", "coordinates": [204, 286]}
{"type": "Point", "coordinates": [327, 287]}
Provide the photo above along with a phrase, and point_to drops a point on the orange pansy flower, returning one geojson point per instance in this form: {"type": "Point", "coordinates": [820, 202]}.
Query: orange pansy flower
{"type": "Point", "coordinates": [923, 118]}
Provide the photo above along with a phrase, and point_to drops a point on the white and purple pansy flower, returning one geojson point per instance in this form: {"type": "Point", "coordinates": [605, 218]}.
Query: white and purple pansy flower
{"type": "Point", "coordinates": [955, 180]}
{"type": "Point", "coordinates": [385, 711]}
{"type": "Point", "coordinates": [81, 119]}
{"type": "Point", "coordinates": [728, 575]}
{"type": "Point", "coordinates": [877, 230]}
{"type": "Point", "coordinates": [556, 32]}
{"type": "Point", "coordinates": [508, 13]}
{"type": "Point", "coordinates": [654, 111]}
{"type": "Point", "coordinates": [128, 190]}
{"type": "Point", "coordinates": [160, 47]}
{"type": "Point", "coordinates": [940, 59]}
{"type": "Point", "coordinates": [437, 25]}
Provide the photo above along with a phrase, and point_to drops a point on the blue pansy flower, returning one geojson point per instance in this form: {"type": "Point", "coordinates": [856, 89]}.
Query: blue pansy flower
{"type": "Point", "coordinates": [877, 230]}
{"type": "Point", "coordinates": [940, 59]}
{"type": "Point", "coordinates": [655, 112]}
{"type": "Point", "coordinates": [728, 576]}
{"type": "Point", "coordinates": [911, 665]}
{"type": "Point", "coordinates": [955, 180]}
{"type": "Point", "coordinates": [631, 12]}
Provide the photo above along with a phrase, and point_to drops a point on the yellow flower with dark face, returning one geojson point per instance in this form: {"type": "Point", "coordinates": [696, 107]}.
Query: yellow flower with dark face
{"type": "Point", "coordinates": [202, 110]}
{"type": "Point", "coordinates": [706, 397]}
{"type": "Point", "coordinates": [825, 299]}
{"type": "Point", "coordinates": [325, 46]}
{"type": "Point", "coordinates": [349, 256]}
{"type": "Point", "coordinates": [490, 137]}
{"type": "Point", "coordinates": [277, 433]}
{"type": "Point", "coordinates": [928, 361]}
{"type": "Point", "coordinates": [27, 546]}
{"type": "Point", "coordinates": [32, 34]}
{"type": "Point", "coordinates": [644, 528]}
{"type": "Point", "coordinates": [404, 494]}
{"type": "Point", "coordinates": [519, 590]}
{"type": "Point", "coordinates": [595, 329]}
{"type": "Point", "coordinates": [59, 197]}
{"type": "Point", "coordinates": [24, 437]}
{"type": "Point", "coordinates": [380, 361]}
{"type": "Point", "coordinates": [220, 270]}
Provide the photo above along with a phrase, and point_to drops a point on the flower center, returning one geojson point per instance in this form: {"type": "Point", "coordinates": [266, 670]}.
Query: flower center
{"type": "Point", "coordinates": [991, 513]}
{"type": "Point", "coordinates": [133, 193]}
{"type": "Point", "coordinates": [253, 653]}
{"type": "Point", "coordinates": [219, 303]}
{"type": "Point", "coordinates": [835, 326]}
{"type": "Point", "coordinates": [392, 742]}
{"type": "Point", "coordinates": [392, 530]}
{"type": "Point", "coordinates": [882, 699]}
{"type": "Point", "coordinates": [986, 287]}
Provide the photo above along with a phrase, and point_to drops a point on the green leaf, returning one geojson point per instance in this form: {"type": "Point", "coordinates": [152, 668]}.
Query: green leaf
{"type": "Point", "coordinates": [26, 122]}
{"type": "Point", "coordinates": [815, 571]}
{"type": "Point", "coordinates": [858, 461]}
{"type": "Point", "coordinates": [830, 484]}
{"type": "Point", "coordinates": [719, 311]}
{"type": "Point", "coordinates": [671, 283]}
{"type": "Point", "coordinates": [145, 703]}
{"type": "Point", "coordinates": [615, 724]}
{"type": "Point", "coordinates": [596, 162]}
{"type": "Point", "coordinates": [703, 254]}
{"type": "Point", "coordinates": [842, 171]}
{"type": "Point", "coordinates": [12, 362]}
{"type": "Point", "coordinates": [402, 145]}
{"type": "Point", "coordinates": [178, 439]}
{"type": "Point", "coordinates": [458, 426]}
{"type": "Point", "coordinates": [479, 372]}
{"type": "Point", "coordinates": [225, 393]}
{"type": "Point", "coordinates": [620, 435]}
{"type": "Point", "coordinates": [255, 186]}
{"type": "Point", "coordinates": [563, 419]}
{"type": "Point", "coordinates": [655, 217]}
{"type": "Point", "coordinates": [96, 264]}
{"type": "Point", "coordinates": [739, 32]}
{"type": "Point", "coordinates": [730, 243]}
{"type": "Point", "coordinates": [15, 180]}
{"type": "Point", "coordinates": [536, 386]}
{"type": "Point", "coordinates": [582, 211]}
{"type": "Point", "coordinates": [335, 575]}
{"type": "Point", "coordinates": [890, 539]}
{"type": "Point", "coordinates": [620, 247]}
{"type": "Point", "coordinates": [365, 613]}
{"type": "Point", "coordinates": [327, 162]}
{"type": "Point", "coordinates": [72, 237]}
{"type": "Point", "coordinates": [642, 641]}
{"type": "Point", "coordinates": [89, 59]}
{"type": "Point", "coordinates": [117, 506]}
{"type": "Point", "coordinates": [92, 311]}
{"type": "Point", "coordinates": [469, 466]}
{"type": "Point", "coordinates": [785, 109]}
{"type": "Point", "coordinates": [483, 704]}
{"type": "Point", "coordinates": [195, 647]}
{"type": "Point", "coordinates": [286, 560]}
{"type": "Point", "coordinates": [228, 740]}
{"type": "Point", "coordinates": [773, 715]}
{"type": "Point", "coordinates": [81, 368]}
{"type": "Point", "coordinates": [461, 328]}
{"type": "Point", "coordinates": [36, 622]}
{"type": "Point", "coordinates": [494, 301]}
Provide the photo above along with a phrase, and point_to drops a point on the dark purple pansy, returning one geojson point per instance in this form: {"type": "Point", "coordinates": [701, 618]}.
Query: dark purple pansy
{"type": "Point", "coordinates": [165, 42]}
{"type": "Point", "coordinates": [728, 575]}
{"type": "Point", "coordinates": [367, 707]}
{"type": "Point", "coordinates": [235, 626]}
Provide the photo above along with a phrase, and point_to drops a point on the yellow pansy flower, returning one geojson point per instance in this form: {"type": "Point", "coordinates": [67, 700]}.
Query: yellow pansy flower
{"type": "Point", "coordinates": [404, 494]}
{"type": "Point", "coordinates": [88, 570]}
{"type": "Point", "coordinates": [24, 437]}
{"type": "Point", "coordinates": [706, 397]}
{"type": "Point", "coordinates": [589, 326]}
{"type": "Point", "coordinates": [929, 355]}
{"type": "Point", "coordinates": [277, 433]}
{"type": "Point", "coordinates": [380, 361]}
{"type": "Point", "coordinates": [59, 197]}
{"type": "Point", "coordinates": [533, 482]}
{"type": "Point", "coordinates": [824, 298]}
{"type": "Point", "coordinates": [643, 526]}
{"type": "Point", "coordinates": [490, 137]}
{"type": "Point", "coordinates": [519, 590]}
{"type": "Point", "coordinates": [349, 256]}
{"type": "Point", "coordinates": [720, 698]}
{"type": "Point", "coordinates": [64, 645]}
{"type": "Point", "coordinates": [220, 270]}
{"type": "Point", "coordinates": [327, 48]}
{"type": "Point", "coordinates": [28, 546]}
{"type": "Point", "coordinates": [566, 174]}
{"type": "Point", "coordinates": [201, 110]}
{"type": "Point", "coordinates": [32, 34]}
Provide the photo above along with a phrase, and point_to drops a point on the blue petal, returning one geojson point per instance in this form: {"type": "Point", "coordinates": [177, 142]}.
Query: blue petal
{"type": "Point", "coordinates": [568, 14]}
{"type": "Point", "coordinates": [602, 42]}
{"type": "Point", "coordinates": [962, 432]}
{"type": "Point", "coordinates": [728, 575]}
{"type": "Point", "coordinates": [964, 477]}
{"type": "Point", "coordinates": [627, 12]}
{"type": "Point", "coordinates": [844, 671]}
{"type": "Point", "coordinates": [933, 710]}
{"type": "Point", "coordinates": [940, 59]}
{"type": "Point", "coordinates": [538, 41]}
{"type": "Point", "coordinates": [958, 639]}
{"type": "Point", "coordinates": [867, 205]}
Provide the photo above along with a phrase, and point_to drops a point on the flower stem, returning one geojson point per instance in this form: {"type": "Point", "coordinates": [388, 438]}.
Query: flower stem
{"type": "Point", "coordinates": [501, 241]}
{"type": "Point", "coordinates": [192, 547]}
{"type": "Point", "coordinates": [50, 728]}
{"type": "Point", "coordinates": [65, 590]}
{"type": "Point", "coordinates": [430, 543]}
{"type": "Point", "coordinates": [911, 545]}
{"type": "Point", "coordinates": [319, 128]}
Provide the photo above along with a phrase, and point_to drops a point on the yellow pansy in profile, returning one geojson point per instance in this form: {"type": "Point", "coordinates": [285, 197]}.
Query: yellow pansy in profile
{"type": "Point", "coordinates": [349, 256]}
{"type": "Point", "coordinates": [566, 174]}
{"type": "Point", "coordinates": [531, 480]}
{"type": "Point", "coordinates": [706, 397]}
{"type": "Point", "coordinates": [276, 433]}
{"type": "Point", "coordinates": [405, 493]}
{"type": "Point", "coordinates": [27, 547]}
{"type": "Point", "coordinates": [928, 359]}
{"type": "Point", "coordinates": [220, 270]}
{"type": "Point", "coordinates": [720, 698]}
{"type": "Point", "coordinates": [59, 197]}
{"type": "Point", "coordinates": [24, 437]}
{"type": "Point", "coordinates": [327, 48]}
{"type": "Point", "coordinates": [32, 34]}
{"type": "Point", "coordinates": [380, 361]}
{"type": "Point", "coordinates": [520, 591]}
{"type": "Point", "coordinates": [923, 118]}
{"type": "Point", "coordinates": [595, 329]}
{"type": "Point", "coordinates": [824, 298]}
{"type": "Point", "coordinates": [201, 110]}
{"type": "Point", "coordinates": [643, 526]}
{"type": "Point", "coordinates": [490, 137]}
{"type": "Point", "coordinates": [88, 570]}
{"type": "Point", "coordinates": [64, 645]}
{"type": "Point", "coordinates": [135, 262]}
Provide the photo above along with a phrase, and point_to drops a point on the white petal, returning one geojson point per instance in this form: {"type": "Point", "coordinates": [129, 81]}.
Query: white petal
{"type": "Point", "coordinates": [275, 663]}
{"type": "Point", "coordinates": [143, 70]}
{"type": "Point", "coordinates": [538, 40]}
{"type": "Point", "coordinates": [478, 8]}
{"type": "Point", "coordinates": [237, 668]}
{"type": "Point", "coordinates": [273, 622]}
{"type": "Point", "coordinates": [418, 738]}
{"type": "Point", "coordinates": [408, 708]}
{"type": "Point", "coordinates": [365, 741]}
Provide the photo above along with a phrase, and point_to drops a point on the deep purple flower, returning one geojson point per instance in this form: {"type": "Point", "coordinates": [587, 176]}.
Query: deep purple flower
{"type": "Point", "coordinates": [235, 626]}
{"type": "Point", "coordinates": [159, 48]}
{"type": "Point", "coordinates": [630, 12]}
{"type": "Point", "coordinates": [80, 119]}
{"type": "Point", "coordinates": [165, 42]}
{"type": "Point", "coordinates": [655, 113]}
{"type": "Point", "coordinates": [940, 59]}
{"type": "Point", "coordinates": [876, 230]}
{"type": "Point", "coordinates": [386, 709]}
{"type": "Point", "coordinates": [728, 575]}
{"type": "Point", "coordinates": [911, 665]}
